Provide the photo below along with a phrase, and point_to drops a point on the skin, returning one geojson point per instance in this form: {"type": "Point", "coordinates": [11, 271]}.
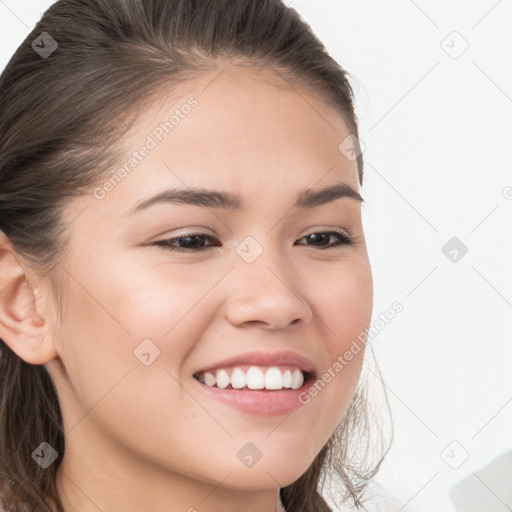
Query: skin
{"type": "Point", "coordinates": [146, 437]}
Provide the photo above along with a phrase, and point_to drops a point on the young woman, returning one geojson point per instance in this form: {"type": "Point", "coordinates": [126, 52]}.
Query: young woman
{"type": "Point", "coordinates": [184, 279]}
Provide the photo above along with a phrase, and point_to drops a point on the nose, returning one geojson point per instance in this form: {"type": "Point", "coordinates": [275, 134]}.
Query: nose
{"type": "Point", "coordinates": [266, 293]}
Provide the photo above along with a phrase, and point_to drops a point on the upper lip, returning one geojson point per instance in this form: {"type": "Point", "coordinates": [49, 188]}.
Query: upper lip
{"type": "Point", "coordinates": [259, 358]}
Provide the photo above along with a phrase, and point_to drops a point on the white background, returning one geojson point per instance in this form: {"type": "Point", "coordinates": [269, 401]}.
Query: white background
{"type": "Point", "coordinates": [438, 161]}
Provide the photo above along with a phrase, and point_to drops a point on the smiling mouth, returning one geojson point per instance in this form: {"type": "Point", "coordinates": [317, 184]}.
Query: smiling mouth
{"type": "Point", "coordinates": [252, 377]}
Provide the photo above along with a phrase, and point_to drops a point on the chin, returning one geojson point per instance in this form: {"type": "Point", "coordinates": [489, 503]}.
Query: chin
{"type": "Point", "coordinates": [266, 474]}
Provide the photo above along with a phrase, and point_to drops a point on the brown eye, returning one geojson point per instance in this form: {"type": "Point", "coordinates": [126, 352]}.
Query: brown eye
{"type": "Point", "coordinates": [195, 242]}
{"type": "Point", "coordinates": [187, 242]}
{"type": "Point", "coordinates": [323, 238]}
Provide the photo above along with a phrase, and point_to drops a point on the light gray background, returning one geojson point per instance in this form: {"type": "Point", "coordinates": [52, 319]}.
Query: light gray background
{"type": "Point", "coordinates": [438, 158]}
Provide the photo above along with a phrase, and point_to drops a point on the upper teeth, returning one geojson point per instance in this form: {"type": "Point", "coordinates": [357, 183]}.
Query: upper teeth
{"type": "Point", "coordinates": [254, 378]}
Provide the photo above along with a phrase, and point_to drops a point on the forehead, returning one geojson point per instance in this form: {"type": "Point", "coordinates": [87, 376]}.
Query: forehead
{"type": "Point", "coordinates": [237, 129]}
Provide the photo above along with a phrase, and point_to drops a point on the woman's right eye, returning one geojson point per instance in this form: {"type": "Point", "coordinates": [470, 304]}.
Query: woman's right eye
{"type": "Point", "coordinates": [191, 242]}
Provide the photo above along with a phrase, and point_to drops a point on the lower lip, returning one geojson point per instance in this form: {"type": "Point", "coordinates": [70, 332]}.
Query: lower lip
{"type": "Point", "coordinates": [257, 401]}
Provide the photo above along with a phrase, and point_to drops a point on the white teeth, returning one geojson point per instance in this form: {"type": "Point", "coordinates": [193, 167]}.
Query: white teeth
{"type": "Point", "coordinates": [222, 379]}
{"type": "Point", "coordinates": [287, 379]}
{"type": "Point", "coordinates": [238, 379]}
{"type": "Point", "coordinates": [271, 378]}
{"type": "Point", "coordinates": [255, 378]}
{"type": "Point", "coordinates": [297, 379]}
{"type": "Point", "coordinates": [209, 379]}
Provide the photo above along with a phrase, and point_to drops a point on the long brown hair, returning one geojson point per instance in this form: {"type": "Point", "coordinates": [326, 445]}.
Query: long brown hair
{"type": "Point", "coordinates": [61, 116]}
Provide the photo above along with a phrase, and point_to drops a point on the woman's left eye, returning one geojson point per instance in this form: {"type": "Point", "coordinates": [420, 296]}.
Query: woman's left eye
{"type": "Point", "coordinates": [194, 242]}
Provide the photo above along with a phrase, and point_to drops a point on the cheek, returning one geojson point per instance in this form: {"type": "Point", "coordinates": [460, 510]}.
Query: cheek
{"type": "Point", "coordinates": [344, 309]}
{"type": "Point", "coordinates": [106, 320]}
{"type": "Point", "coordinates": [109, 386]}
{"type": "Point", "coordinates": [345, 304]}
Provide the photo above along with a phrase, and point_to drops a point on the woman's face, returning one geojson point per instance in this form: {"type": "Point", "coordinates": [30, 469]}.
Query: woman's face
{"type": "Point", "coordinates": [140, 318]}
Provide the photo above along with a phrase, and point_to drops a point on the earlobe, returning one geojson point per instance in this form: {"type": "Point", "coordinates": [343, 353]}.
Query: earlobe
{"type": "Point", "coordinates": [21, 326]}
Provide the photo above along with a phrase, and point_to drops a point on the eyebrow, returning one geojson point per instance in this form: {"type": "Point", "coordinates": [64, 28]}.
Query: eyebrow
{"type": "Point", "coordinates": [308, 198]}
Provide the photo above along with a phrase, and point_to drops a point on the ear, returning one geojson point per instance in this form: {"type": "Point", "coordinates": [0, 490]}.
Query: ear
{"type": "Point", "coordinates": [22, 327]}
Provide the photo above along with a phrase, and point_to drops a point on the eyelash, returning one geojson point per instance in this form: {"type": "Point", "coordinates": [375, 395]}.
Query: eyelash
{"type": "Point", "coordinates": [343, 239]}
